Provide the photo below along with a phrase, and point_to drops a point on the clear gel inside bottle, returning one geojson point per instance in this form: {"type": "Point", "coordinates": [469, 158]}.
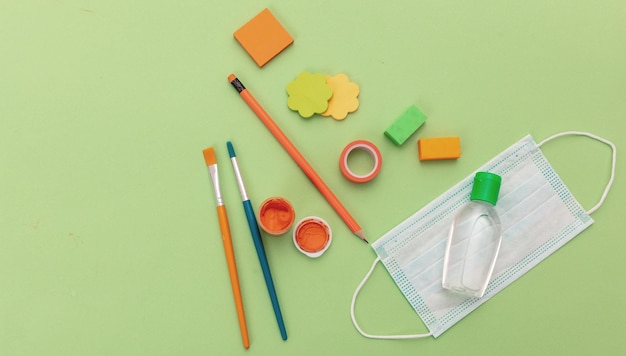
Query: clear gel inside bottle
{"type": "Point", "coordinates": [474, 239]}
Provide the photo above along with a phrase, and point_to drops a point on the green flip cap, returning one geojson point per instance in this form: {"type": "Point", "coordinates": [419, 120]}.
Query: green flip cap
{"type": "Point", "coordinates": [486, 187]}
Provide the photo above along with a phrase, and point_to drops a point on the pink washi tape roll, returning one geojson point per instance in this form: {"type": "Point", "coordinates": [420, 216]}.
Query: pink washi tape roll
{"type": "Point", "coordinates": [360, 145]}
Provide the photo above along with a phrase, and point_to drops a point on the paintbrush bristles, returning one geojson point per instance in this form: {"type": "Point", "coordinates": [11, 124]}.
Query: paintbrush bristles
{"type": "Point", "coordinates": [209, 156]}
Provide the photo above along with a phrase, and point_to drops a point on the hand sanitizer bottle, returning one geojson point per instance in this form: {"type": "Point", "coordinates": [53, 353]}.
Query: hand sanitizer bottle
{"type": "Point", "coordinates": [474, 239]}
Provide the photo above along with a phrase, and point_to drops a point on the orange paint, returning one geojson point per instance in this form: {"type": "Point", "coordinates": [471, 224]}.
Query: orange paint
{"type": "Point", "coordinates": [276, 215]}
{"type": "Point", "coordinates": [439, 148]}
{"type": "Point", "coordinates": [311, 236]}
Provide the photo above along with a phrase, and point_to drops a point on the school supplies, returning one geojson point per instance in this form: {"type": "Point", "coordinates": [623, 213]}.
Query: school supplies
{"type": "Point", "coordinates": [276, 215]}
{"type": "Point", "coordinates": [405, 125]}
{"type": "Point", "coordinates": [330, 96]}
{"type": "Point", "coordinates": [345, 97]}
{"type": "Point", "coordinates": [367, 147]}
{"type": "Point", "coordinates": [438, 148]}
{"type": "Point", "coordinates": [263, 37]}
{"type": "Point", "coordinates": [258, 243]}
{"type": "Point", "coordinates": [297, 157]}
{"type": "Point", "coordinates": [309, 94]}
{"type": "Point", "coordinates": [211, 162]}
{"type": "Point", "coordinates": [312, 236]}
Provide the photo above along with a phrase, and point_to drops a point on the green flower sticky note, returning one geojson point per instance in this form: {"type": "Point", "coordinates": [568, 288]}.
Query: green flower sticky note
{"type": "Point", "coordinates": [309, 94]}
{"type": "Point", "coordinates": [344, 99]}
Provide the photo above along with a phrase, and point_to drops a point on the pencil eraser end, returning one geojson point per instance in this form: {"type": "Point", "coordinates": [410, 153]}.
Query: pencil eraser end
{"type": "Point", "coordinates": [231, 78]}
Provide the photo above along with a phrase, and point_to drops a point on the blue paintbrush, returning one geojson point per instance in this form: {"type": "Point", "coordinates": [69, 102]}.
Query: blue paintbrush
{"type": "Point", "coordinates": [258, 243]}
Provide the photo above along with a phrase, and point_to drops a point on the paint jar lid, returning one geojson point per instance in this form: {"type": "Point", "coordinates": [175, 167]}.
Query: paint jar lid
{"type": "Point", "coordinates": [312, 236]}
{"type": "Point", "coordinates": [276, 215]}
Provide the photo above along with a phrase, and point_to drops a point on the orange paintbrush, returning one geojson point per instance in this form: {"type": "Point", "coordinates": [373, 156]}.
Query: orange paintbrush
{"type": "Point", "coordinates": [211, 162]}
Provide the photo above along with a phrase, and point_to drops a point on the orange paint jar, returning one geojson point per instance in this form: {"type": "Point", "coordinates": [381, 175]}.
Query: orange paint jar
{"type": "Point", "coordinates": [312, 236]}
{"type": "Point", "coordinates": [276, 215]}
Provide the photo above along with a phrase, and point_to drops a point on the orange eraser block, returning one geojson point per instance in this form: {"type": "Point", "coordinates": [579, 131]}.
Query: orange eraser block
{"type": "Point", "coordinates": [439, 148]}
{"type": "Point", "coordinates": [263, 37]}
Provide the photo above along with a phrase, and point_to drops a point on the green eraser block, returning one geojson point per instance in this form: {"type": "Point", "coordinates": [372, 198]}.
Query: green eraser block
{"type": "Point", "coordinates": [405, 125]}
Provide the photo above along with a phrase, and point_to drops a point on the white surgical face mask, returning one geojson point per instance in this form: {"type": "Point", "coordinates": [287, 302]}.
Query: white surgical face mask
{"type": "Point", "coordinates": [538, 215]}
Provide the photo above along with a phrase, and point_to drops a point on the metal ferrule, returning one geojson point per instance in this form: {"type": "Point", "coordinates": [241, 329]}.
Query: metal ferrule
{"type": "Point", "coordinates": [216, 184]}
{"type": "Point", "coordinates": [242, 188]}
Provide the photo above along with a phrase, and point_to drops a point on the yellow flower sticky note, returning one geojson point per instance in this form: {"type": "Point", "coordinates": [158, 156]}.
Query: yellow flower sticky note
{"type": "Point", "coordinates": [309, 94]}
{"type": "Point", "coordinates": [344, 99]}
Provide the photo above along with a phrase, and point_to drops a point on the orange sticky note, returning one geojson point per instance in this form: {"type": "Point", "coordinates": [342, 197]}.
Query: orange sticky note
{"type": "Point", "coordinates": [263, 37]}
{"type": "Point", "coordinates": [344, 99]}
{"type": "Point", "coordinates": [439, 148]}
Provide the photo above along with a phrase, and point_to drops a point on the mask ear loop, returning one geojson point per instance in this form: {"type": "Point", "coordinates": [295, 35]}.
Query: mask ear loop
{"type": "Point", "coordinates": [356, 324]}
{"type": "Point", "coordinates": [614, 159]}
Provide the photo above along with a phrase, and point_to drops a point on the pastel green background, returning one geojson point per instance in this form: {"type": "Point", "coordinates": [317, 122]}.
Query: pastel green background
{"type": "Point", "coordinates": [109, 240]}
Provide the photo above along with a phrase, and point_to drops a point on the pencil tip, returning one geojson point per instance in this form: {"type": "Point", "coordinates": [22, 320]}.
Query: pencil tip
{"type": "Point", "coordinates": [361, 235]}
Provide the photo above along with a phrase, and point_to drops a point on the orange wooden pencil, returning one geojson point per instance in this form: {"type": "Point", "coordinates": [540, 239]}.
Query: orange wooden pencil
{"type": "Point", "coordinates": [211, 162]}
{"type": "Point", "coordinates": [297, 156]}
